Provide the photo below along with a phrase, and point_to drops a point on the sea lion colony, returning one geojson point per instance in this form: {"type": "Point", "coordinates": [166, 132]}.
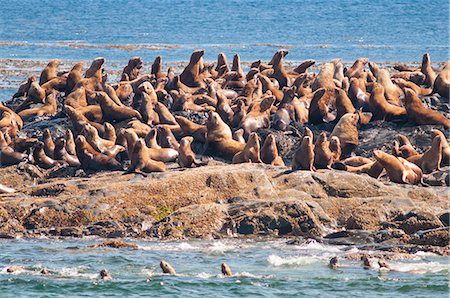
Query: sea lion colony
{"type": "Point", "coordinates": [134, 124]}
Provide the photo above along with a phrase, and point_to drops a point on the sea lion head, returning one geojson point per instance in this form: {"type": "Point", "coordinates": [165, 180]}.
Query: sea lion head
{"type": "Point", "coordinates": [136, 62]}
{"type": "Point", "coordinates": [186, 141]}
{"type": "Point", "coordinates": [54, 63]}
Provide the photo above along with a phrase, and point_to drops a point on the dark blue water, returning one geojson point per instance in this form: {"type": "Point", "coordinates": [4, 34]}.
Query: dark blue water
{"type": "Point", "coordinates": [398, 30]}
{"type": "Point", "coordinates": [260, 269]}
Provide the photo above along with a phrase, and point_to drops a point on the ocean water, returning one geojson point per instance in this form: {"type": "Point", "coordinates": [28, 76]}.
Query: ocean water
{"type": "Point", "coordinates": [260, 269]}
{"type": "Point", "coordinates": [397, 30]}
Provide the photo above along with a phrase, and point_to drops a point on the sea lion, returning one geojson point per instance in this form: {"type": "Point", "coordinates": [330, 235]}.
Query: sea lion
{"type": "Point", "coordinates": [356, 70]}
{"type": "Point", "coordinates": [335, 147]}
{"type": "Point", "coordinates": [304, 156]}
{"type": "Point", "coordinates": [96, 69]}
{"type": "Point", "coordinates": [258, 117]}
{"type": "Point", "coordinates": [418, 114]}
{"type": "Point", "coordinates": [322, 106]}
{"type": "Point", "coordinates": [75, 75]}
{"type": "Point", "coordinates": [101, 145]}
{"type": "Point", "coordinates": [430, 160]}
{"type": "Point", "coordinates": [238, 135]}
{"type": "Point", "coordinates": [226, 270]}
{"type": "Point", "coordinates": [323, 157]}
{"type": "Point", "coordinates": [12, 269]}
{"type": "Point", "coordinates": [334, 263]}
{"type": "Point", "coordinates": [6, 189]}
{"type": "Point", "coordinates": [399, 170]}
{"type": "Point", "coordinates": [49, 72]}
{"type": "Point", "coordinates": [347, 132]}
{"type": "Point", "coordinates": [41, 159]}
{"type": "Point", "coordinates": [60, 153]}
{"type": "Point", "coordinates": [415, 77]}
{"type": "Point", "coordinates": [279, 72]}
{"type": "Point", "coordinates": [49, 145]}
{"type": "Point", "coordinates": [8, 156]}
{"type": "Point", "coordinates": [104, 275]}
{"type": "Point", "coordinates": [78, 120]}
{"type": "Point", "coordinates": [343, 103]}
{"type": "Point", "coordinates": [269, 152]}
{"type": "Point", "coordinates": [186, 157]}
{"type": "Point", "coordinates": [190, 74]}
{"type": "Point", "coordinates": [24, 87]}
{"type": "Point", "coordinates": [151, 139]}
{"type": "Point", "coordinates": [406, 84]}
{"type": "Point", "coordinates": [367, 264]}
{"type": "Point", "coordinates": [166, 138]}
{"type": "Point", "coordinates": [156, 69]}
{"type": "Point", "coordinates": [47, 109]}
{"type": "Point", "coordinates": [165, 117]}
{"type": "Point", "coordinates": [17, 118]}
{"type": "Point", "coordinates": [112, 112]}
{"type": "Point", "coordinates": [380, 108]}
{"type": "Point", "coordinates": [189, 128]}
{"type": "Point", "coordinates": [303, 66]}
{"type": "Point", "coordinates": [427, 70]}
{"type": "Point", "coordinates": [141, 161]}
{"type": "Point", "coordinates": [133, 68]}
{"type": "Point", "coordinates": [219, 139]}
{"type": "Point", "coordinates": [392, 92]}
{"type": "Point", "coordinates": [167, 268]}
{"type": "Point", "coordinates": [91, 159]}
{"type": "Point", "coordinates": [445, 147]}
{"type": "Point", "coordinates": [251, 151]}
{"type": "Point", "coordinates": [267, 85]}
{"type": "Point", "coordinates": [58, 83]}
{"type": "Point", "coordinates": [442, 82]}
{"type": "Point", "coordinates": [77, 98]}
{"type": "Point", "coordinates": [325, 78]}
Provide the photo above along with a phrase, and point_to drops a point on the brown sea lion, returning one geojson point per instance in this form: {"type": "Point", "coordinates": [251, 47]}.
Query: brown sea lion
{"type": "Point", "coordinates": [58, 83]}
{"type": "Point", "coordinates": [251, 151]}
{"type": "Point", "coordinates": [60, 153]}
{"type": "Point", "coordinates": [101, 145]}
{"type": "Point", "coordinates": [418, 114]}
{"type": "Point", "coordinates": [335, 147]}
{"type": "Point", "coordinates": [219, 139]}
{"type": "Point", "coordinates": [167, 268]}
{"type": "Point", "coordinates": [104, 275]}
{"type": "Point", "coordinates": [49, 145]}
{"type": "Point", "coordinates": [24, 87]}
{"type": "Point", "coordinates": [279, 72]}
{"type": "Point", "coordinates": [269, 152]}
{"type": "Point", "coordinates": [165, 117]}
{"type": "Point", "coordinates": [78, 120]}
{"type": "Point", "coordinates": [77, 98]}
{"type": "Point", "coordinates": [36, 95]}
{"type": "Point", "coordinates": [75, 75]}
{"type": "Point", "coordinates": [133, 68]}
{"type": "Point", "coordinates": [427, 70]}
{"type": "Point", "coordinates": [445, 146]}
{"type": "Point", "coordinates": [156, 69]}
{"type": "Point", "coordinates": [304, 156]}
{"type": "Point", "coordinates": [8, 156]}
{"type": "Point", "coordinates": [112, 111]}
{"type": "Point", "coordinates": [267, 85]}
{"type": "Point", "coordinates": [415, 77]}
{"type": "Point", "coordinates": [189, 128]}
{"type": "Point", "coordinates": [47, 109]}
{"type": "Point", "coordinates": [343, 103]}
{"type": "Point", "coordinates": [392, 92]}
{"type": "Point", "coordinates": [190, 74]}
{"type": "Point", "coordinates": [50, 71]}
{"type": "Point", "coordinates": [258, 116]}
{"type": "Point", "coordinates": [166, 138]}
{"type": "Point", "coordinates": [41, 159]}
{"type": "Point", "coordinates": [142, 162]}
{"type": "Point", "coordinates": [442, 82]}
{"type": "Point", "coordinates": [151, 140]}
{"type": "Point", "coordinates": [406, 84]}
{"type": "Point", "coordinates": [239, 113]}
{"type": "Point", "coordinates": [6, 189]}
{"type": "Point", "coordinates": [322, 106]}
{"type": "Point", "coordinates": [186, 157]}
{"type": "Point", "coordinates": [431, 159]}
{"type": "Point", "coordinates": [96, 68]}
{"type": "Point", "coordinates": [399, 170]}
{"type": "Point", "coordinates": [356, 70]}
{"type": "Point", "coordinates": [325, 78]}
{"type": "Point", "coordinates": [238, 135]}
{"type": "Point", "coordinates": [347, 132]}
{"type": "Point", "coordinates": [226, 270]}
{"type": "Point", "coordinates": [380, 108]}
{"type": "Point", "coordinates": [303, 66]}
{"type": "Point", "coordinates": [323, 157]}
{"type": "Point", "coordinates": [91, 159]}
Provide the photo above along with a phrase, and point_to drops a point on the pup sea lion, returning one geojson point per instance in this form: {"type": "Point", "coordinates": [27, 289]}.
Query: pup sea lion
{"type": "Point", "coordinates": [167, 268]}
{"type": "Point", "coordinates": [238, 135]}
{"type": "Point", "coordinates": [417, 113]}
{"type": "Point", "coordinates": [304, 156]}
{"type": "Point", "coordinates": [251, 151]}
{"type": "Point", "coordinates": [186, 157]}
{"type": "Point", "coordinates": [399, 170]}
{"type": "Point", "coordinates": [269, 152]}
{"type": "Point", "coordinates": [226, 270]}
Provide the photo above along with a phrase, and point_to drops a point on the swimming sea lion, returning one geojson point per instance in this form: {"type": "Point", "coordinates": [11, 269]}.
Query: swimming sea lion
{"type": "Point", "coordinates": [104, 275]}
{"type": "Point", "coordinates": [226, 270]}
{"type": "Point", "coordinates": [167, 268]}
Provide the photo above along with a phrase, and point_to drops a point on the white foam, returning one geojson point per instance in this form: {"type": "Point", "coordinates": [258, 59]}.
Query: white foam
{"type": "Point", "coordinates": [277, 261]}
{"type": "Point", "coordinates": [420, 268]}
{"type": "Point", "coordinates": [76, 272]}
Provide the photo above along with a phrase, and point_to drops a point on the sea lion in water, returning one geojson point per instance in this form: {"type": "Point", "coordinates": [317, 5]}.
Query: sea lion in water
{"type": "Point", "coordinates": [186, 157]}
{"type": "Point", "coordinates": [49, 72]}
{"type": "Point", "coordinates": [417, 113]}
{"type": "Point", "coordinates": [442, 82]}
{"type": "Point", "coordinates": [304, 156]}
{"type": "Point", "coordinates": [141, 161]}
{"type": "Point", "coordinates": [399, 170]}
{"type": "Point", "coordinates": [167, 268]}
{"type": "Point", "coordinates": [226, 270]}
{"type": "Point", "coordinates": [334, 263]}
{"type": "Point", "coordinates": [269, 152]}
{"type": "Point", "coordinates": [251, 151]}
{"type": "Point", "coordinates": [323, 157]}
{"type": "Point", "coordinates": [104, 275]}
